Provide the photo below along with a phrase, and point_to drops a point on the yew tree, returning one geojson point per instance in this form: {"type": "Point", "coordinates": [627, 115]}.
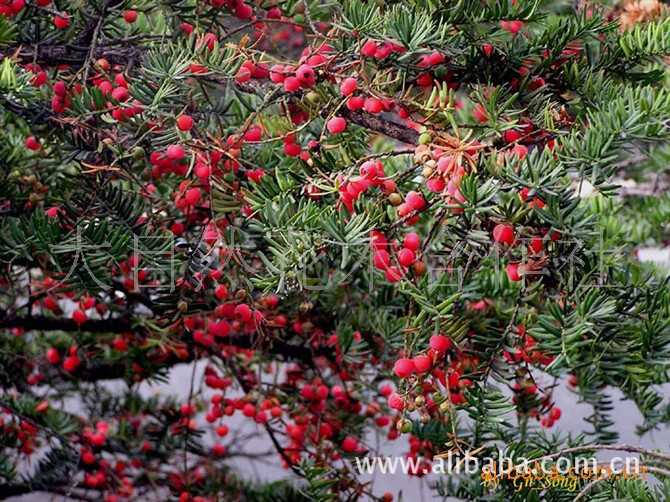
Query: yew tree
{"type": "Point", "coordinates": [361, 226]}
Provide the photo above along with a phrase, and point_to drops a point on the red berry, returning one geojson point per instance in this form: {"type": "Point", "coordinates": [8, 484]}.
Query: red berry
{"type": "Point", "coordinates": [185, 123]}
{"type": "Point", "coordinates": [406, 257]}
{"type": "Point", "coordinates": [349, 444]}
{"type": "Point", "coordinates": [253, 135]}
{"type": "Point", "coordinates": [120, 345]}
{"type": "Point", "coordinates": [373, 105]}
{"type": "Point", "coordinates": [440, 343]}
{"type": "Point", "coordinates": [305, 74]}
{"type": "Point", "coordinates": [403, 367]}
{"type": "Point", "coordinates": [243, 74]}
{"type": "Point", "coordinates": [536, 245]}
{"type": "Point", "coordinates": [39, 79]}
{"type": "Point", "coordinates": [415, 200]}
{"type": "Point", "coordinates": [32, 143]}
{"type": "Point", "coordinates": [243, 11]}
{"type": "Point", "coordinates": [291, 84]}
{"type": "Point", "coordinates": [175, 152]}
{"type": "Point", "coordinates": [395, 402]}
{"type": "Point", "coordinates": [355, 103]}
{"type": "Point", "coordinates": [243, 313]}
{"type": "Point", "coordinates": [503, 234]}
{"type": "Point", "coordinates": [219, 329]}
{"type": "Point", "coordinates": [421, 363]}
{"type": "Point", "coordinates": [52, 356]}
{"type": "Point", "coordinates": [130, 16]}
{"type": "Point", "coordinates": [79, 316]}
{"type": "Point", "coordinates": [369, 48]}
{"type": "Point", "coordinates": [249, 410]}
{"type": "Point", "coordinates": [193, 196]}
{"type": "Point", "coordinates": [336, 125]}
{"type": "Point", "coordinates": [120, 80]}
{"type": "Point", "coordinates": [221, 292]}
{"type": "Point", "coordinates": [60, 89]}
{"type": "Point", "coordinates": [405, 210]}
{"type": "Point", "coordinates": [520, 150]}
{"type": "Point", "coordinates": [513, 272]}
{"type": "Point", "coordinates": [120, 94]}
{"type": "Point", "coordinates": [277, 74]}
{"type": "Point", "coordinates": [221, 430]}
{"type": "Point", "coordinates": [512, 136]}
{"type": "Point", "coordinates": [381, 259]}
{"type": "Point", "coordinates": [480, 113]}
{"type": "Point", "coordinates": [61, 21]}
{"type": "Point", "coordinates": [292, 150]}
{"type": "Point", "coordinates": [424, 80]}
{"type": "Point", "coordinates": [411, 241]}
{"type": "Point", "coordinates": [393, 274]}
{"type": "Point", "coordinates": [71, 363]}
{"type": "Point", "coordinates": [348, 86]}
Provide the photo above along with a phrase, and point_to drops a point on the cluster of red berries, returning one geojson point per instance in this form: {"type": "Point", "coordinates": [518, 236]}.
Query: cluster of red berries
{"type": "Point", "coordinates": [18, 433]}
{"type": "Point", "coordinates": [70, 363]}
{"type": "Point", "coordinates": [239, 9]}
{"type": "Point", "coordinates": [303, 75]}
{"type": "Point", "coordinates": [405, 255]}
{"type": "Point", "coordinates": [371, 174]}
{"type": "Point", "coordinates": [381, 50]}
{"type": "Point", "coordinates": [405, 367]}
{"type": "Point", "coordinates": [133, 273]}
{"type": "Point", "coordinates": [528, 351]}
{"type": "Point", "coordinates": [529, 403]}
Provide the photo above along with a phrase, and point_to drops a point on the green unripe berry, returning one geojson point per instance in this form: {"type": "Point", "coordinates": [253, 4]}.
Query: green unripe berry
{"type": "Point", "coordinates": [404, 426]}
{"type": "Point", "coordinates": [395, 199]}
{"type": "Point", "coordinates": [312, 97]}
{"type": "Point", "coordinates": [138, 153]}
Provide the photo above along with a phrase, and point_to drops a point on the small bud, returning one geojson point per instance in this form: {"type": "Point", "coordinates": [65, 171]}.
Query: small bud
{"type": "Point", "coordinates": [182, 306]}
{"type": "Point", "coordinates": [424, 139]}
{"type": "Point", "coordinates": [420, 401]}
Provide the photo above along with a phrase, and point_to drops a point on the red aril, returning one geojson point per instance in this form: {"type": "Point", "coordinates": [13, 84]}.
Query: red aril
{"type": "Point", "coordinates": [406, 257]}
{"type": "Point", "coordinates": [185, 123]}
{"type": "Point", "coordinates": [348, 86]}
{"type": "Point", "coordinates": [503, 234]}
{"type": "Point", "coordinates": [336, 125]}
{"type": "Point", "coordinates": [403, 367]}
{"type": "Point", "coordinates": [440, 343]}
